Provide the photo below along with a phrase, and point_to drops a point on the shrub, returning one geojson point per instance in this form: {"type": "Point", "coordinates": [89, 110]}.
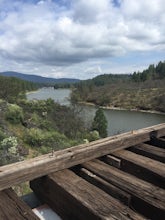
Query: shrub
{"type": "Point", "coordinates": [34, 137]}
{"type": "Point", "coordinates": [2, 135]}
{"type": "Point", "coordinates": [14, 114]}
{"type": "Point", "coordinates": [38, 138]}
{"type": "Point", "coordinates": [93, 136]}
{"type": "Point", "coordinates": [9, 151]}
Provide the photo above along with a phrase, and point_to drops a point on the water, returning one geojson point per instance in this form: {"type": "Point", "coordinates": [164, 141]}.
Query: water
{"type": "Point", "coordinates": [119, 121]}
{"type": "Point", "coordinates": [59, 95]}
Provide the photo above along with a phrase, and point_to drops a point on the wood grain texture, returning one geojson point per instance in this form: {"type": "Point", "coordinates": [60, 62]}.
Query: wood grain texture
{"type": "Point", "coordinates": [148, 169]}
{"type": "Point", "coordinates": [114, 161]}
{"type": "Point", "coordinates": [150, 151]}
{"type": "Point", "coordinates": [74, 198]}
{"type": "Point", "coordinates": [107, 187]}
{"type": "Point", "coordinates": [27, 170]}
{"type": "Point", "coordinates": [151, 198]}
{"type": "Point", "coordinates": [13, 208]}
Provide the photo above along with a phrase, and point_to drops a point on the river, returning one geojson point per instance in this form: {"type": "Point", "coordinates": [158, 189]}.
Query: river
{"type": "Point", "coordinates": [119, 121]}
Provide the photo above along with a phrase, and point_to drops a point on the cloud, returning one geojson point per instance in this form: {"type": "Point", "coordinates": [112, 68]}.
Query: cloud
{"type": "Point", "coordinates": [54, 34]}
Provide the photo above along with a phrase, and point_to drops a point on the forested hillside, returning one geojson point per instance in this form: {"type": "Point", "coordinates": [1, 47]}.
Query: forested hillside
{"type": "Point", "coordinates": [151, 73]}
{"type": "Point", "coordinates": [39, 79]}
{"type": "Point", "coordinates": [141, 90]}
{"type": "Point", "coordinates": [12, 88]}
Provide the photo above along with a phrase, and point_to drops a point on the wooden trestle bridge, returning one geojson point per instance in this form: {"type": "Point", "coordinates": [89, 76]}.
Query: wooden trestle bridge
{"type": "Point", "coordinates": [119, 177]}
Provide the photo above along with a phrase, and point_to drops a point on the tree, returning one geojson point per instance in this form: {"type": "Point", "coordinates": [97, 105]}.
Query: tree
{"type": "Point", "coordinates": [100, 123]}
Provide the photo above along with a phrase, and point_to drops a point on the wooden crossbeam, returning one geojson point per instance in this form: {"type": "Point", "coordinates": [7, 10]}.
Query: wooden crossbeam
{"type": "Point", "coordinates": [74, 198]}
{"type": "Point", "coordinates": [12, 207]}
{"type": "Point", "coordinates": [158, 142]}
{"type": "Point", "coordinates": [143, 167]}
{"type": "Point", "coordinates": [27, 170]}
{"type": "Point", "coordinates": [146, 198]}
{"type": "Point", "coordinates": [150, 151]}
{"type": "Point", "coordinates": [107, 187]}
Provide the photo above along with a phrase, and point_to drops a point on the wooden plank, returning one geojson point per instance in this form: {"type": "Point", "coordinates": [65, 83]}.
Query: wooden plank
{"type": "Point", "coordinates": [112, 190]}
{"type": "Point", "coordinates": [150, 151]}
{"type": "Point", "coordinates": [27, 170]}
{"type": "Point", "coordinates": [143, 167]}
{"type": "Point", "coordinates": [74, 198]}
{"type": "Point", "coordinates": [158, 142]}
{"type": "Point", "coordinates": [146, 197]}
{"type": "Point", "coordinates": [114, 161]}
{"type": "Point", "coordinates": [12, 207]}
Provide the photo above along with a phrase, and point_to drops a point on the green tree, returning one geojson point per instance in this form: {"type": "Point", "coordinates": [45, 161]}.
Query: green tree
{"type": "Point", "coordinates": [100, 123]}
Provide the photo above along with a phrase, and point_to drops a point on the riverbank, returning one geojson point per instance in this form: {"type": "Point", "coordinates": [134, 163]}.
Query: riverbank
{"type": "Point", "coordinates": [120, 120]}
{"type": "Point", "coordinates": [31, 92]}
{"type": "Point", "coordinates": [122, 109]}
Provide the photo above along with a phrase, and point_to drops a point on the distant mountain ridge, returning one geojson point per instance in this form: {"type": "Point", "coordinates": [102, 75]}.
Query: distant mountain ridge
{"type": "Point", "coordinates": [38, 79]}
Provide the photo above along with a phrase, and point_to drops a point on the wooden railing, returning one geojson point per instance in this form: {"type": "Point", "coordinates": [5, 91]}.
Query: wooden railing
{"type": "Point", "coordinates": [27, 170]}
{"type": "Point", "coordinates": [119, 177]}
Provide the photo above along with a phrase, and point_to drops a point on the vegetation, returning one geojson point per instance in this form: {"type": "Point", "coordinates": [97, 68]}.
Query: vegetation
{"type": "Point", "coordinates": [31, 128]}
{"type": "Point", "coordinates": [142, 90]}
{"type": "Point", "coordinates": [11, 88]}
{"type": "Point", "coordinates": [39, 127]}
{"type": "Point", "coordinates": [100, 123]}
{"type": "Point", "coordinates": [152, 73]}
{"type": "Point", "coordinates": [9, 151]}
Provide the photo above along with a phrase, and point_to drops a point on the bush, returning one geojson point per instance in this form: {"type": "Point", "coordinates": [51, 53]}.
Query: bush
{"type": "Point", "coordinates": [2, 135]}
{"type": "Point", "coordinates": [9, 151]}
{"type": "Point", "coordinates": [39, 138]}
{"type": "Point", "coordinates": [14, 114]}
{"type": "Point", "coordinates": [34, 137]}
{"type": "Point", "coordinates": [93, 136]}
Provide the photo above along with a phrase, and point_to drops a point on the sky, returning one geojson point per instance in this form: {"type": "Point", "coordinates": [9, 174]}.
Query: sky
{"type": "Point", "coordinates": [81, 38]}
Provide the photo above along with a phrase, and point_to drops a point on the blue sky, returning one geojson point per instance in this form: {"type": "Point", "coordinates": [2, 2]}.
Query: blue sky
{"type": "Point", "coordinates": [80, 38]}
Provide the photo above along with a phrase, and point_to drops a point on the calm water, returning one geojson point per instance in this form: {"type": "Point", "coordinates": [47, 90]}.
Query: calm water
{"type": "Point", "coordinates": [119, 121]}
{"type": "Point", "coordinates": [58, 95]}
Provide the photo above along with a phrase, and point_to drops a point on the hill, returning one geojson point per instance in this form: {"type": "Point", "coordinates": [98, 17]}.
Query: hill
{"type": "Point", "coordinates": [38, 79]}
{"type": "Point", "coordinates": [140, 90]}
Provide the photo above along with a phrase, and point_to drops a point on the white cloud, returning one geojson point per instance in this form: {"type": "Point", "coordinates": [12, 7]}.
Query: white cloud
{"type": "Point", "coordinates": [43, 35]}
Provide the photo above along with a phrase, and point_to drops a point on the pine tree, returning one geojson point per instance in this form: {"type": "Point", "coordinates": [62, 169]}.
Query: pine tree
{"type": "Point", "coordinates": [100, 123]}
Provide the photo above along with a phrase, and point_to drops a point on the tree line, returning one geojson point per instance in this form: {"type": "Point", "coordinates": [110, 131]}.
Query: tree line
{"type": "Point", "coordinates": [153, 72]}
{"type": "Point", "coordinates": [141, 90]}
{"type": "Point", "coordinates": [11, 88]}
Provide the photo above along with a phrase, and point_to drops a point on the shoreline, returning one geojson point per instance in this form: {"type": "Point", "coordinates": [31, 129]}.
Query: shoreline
{"type": "Point", "coordinates": [30, 92]}
{"type": "Point", "coordinates": [123, 109]}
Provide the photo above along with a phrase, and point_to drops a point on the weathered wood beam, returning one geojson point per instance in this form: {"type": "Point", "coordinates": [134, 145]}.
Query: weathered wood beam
{"type": "Point", "coordinates": [111, 160]}
{"type": "Point", "coordinates": [150, 151]}
{"type": "Point", "coordinates": [74, 198]}
{"type": "Point", "coordinates": [146, 197]}
{"type": "Point", "coordinates": [12, 207]}
{"type": "Point", "coordinates": [27, 170]}
{"type": "Point", "coordinates": [143, 167]}
{"type": "Point", "coordinates": [158, 142]}
{"type": "Point", "coordinates": [107, 187]}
